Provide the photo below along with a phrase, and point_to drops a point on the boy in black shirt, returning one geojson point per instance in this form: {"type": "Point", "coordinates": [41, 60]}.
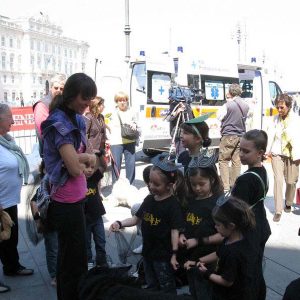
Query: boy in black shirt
{"type": "Point", "coordinates": [94, 210]}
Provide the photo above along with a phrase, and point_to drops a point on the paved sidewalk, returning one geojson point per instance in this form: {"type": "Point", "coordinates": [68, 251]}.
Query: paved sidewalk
{"type": "Point", "coordinates": [282, 253]}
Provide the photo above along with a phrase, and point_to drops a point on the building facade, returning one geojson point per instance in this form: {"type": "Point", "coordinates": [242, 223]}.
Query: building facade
{"type": "Point", "coordinates": [32, 51]}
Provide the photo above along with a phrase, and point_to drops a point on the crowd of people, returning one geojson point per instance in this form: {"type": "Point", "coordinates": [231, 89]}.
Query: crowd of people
{"type": "Point", "coordinates": [218, 229]}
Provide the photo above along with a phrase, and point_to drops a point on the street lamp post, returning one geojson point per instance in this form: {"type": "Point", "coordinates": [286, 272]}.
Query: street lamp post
{"type": "Point", "coordinates": [96, 62]}
{"type": "Point", "coordinates": [238, 39]}
{"type": "Point", "coordinates": [127, 31]}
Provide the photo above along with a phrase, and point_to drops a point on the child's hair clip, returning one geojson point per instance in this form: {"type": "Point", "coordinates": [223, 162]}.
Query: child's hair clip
{"type": "Point", "coordinates": [206, 158]}
{"type": "Point", "coordinates": [164, 162]}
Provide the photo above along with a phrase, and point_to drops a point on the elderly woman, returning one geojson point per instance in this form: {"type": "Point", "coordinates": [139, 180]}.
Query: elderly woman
{"type": "Point", "coordinates": [65, 157]}
{"type": "Point", "coordinates": [14, 170]}
{"type": "Point", "coordinates": [95, 124]}
{"type": "Point", "coordinates": [284, 150]}
{"type": "Point", "coordinates": [119, 145]}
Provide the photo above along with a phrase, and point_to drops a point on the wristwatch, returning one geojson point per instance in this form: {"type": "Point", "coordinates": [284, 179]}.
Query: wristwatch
{"type": "Point", "coordinates": [36, 216]}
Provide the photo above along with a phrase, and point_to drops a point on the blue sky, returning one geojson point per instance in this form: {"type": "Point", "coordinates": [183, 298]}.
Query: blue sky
{"type": "Point", "coordinates": [203, 28]}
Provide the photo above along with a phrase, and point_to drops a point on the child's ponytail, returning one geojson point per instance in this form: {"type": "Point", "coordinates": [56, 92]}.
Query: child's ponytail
{"type": "Point", "coordinates": [180, 189]}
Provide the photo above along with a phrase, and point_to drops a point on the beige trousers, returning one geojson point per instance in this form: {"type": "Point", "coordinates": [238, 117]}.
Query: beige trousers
{"type": "Point", "coordinates": [284, 167]}
{"type": "Point", "coordinates": [229, 151]}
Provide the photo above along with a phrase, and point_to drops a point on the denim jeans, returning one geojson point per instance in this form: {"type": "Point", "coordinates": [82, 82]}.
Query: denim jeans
{"type": "Point", "coordinates": [98, 231]}
{"type": "Point", "coordinates": [129, 154]}
{"type": "Point", "coordinates": [159, 275]}
{"type": "Point", "coordinates": [51, 248]}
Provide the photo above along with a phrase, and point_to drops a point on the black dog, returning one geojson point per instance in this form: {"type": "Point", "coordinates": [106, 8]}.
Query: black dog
{"type": "Point", "coordinates": [115, 284]}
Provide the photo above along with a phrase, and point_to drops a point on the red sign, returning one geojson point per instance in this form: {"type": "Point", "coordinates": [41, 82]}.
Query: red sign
{"type": "Point", "coordinates": [23, 118]}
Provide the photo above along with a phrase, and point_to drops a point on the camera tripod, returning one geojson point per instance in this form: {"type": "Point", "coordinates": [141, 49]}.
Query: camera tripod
{"type": "Point", "coordinates": [182, 116]}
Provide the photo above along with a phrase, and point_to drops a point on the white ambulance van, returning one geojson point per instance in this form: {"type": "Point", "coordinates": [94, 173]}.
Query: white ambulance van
{"type": "Point", "coordinates": [148, 80]}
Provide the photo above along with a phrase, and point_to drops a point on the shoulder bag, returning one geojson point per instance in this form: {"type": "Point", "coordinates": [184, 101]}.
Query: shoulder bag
{"type": "Point", "coordinates": [127, 132]}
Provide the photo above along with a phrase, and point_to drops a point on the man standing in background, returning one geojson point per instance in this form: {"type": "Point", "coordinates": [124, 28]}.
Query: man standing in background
{"type": "Point", "coordinates": [41, 108]}
{"type": "Point", "coordinates": [233, 116]}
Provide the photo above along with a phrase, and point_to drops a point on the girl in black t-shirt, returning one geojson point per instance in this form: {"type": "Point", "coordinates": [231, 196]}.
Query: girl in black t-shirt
{"type": "Point", "coordinates": [161, 220]}
{"type": "Point", "coordinates": [252, 187]}
{"type": "Point", "coordinates": [205, 188]}
{"type": "Point", "coordinates": [234, 277]}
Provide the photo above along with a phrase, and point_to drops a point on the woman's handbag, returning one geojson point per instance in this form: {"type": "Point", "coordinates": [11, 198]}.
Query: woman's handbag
{"type": "Point", "coordinates": [127, 132]}
{"type": "Point", "coordinates": [43, 197]}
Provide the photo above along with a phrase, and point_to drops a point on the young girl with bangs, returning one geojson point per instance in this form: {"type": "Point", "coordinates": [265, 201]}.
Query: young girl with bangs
{"type": "Point", "coordinates": [234, 277]}
{"type": "Point", "coordinates": [161, 220]}
{"type": "Point", "coordinates": [205, 188]}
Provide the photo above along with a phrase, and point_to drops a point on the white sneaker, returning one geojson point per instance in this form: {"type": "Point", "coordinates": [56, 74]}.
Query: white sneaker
{"type": "Point", "coordinates": [90, 265]}
{"type": "Point", "coordinates": [138, 250]}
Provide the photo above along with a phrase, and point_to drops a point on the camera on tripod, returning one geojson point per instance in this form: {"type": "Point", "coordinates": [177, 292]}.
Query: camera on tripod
{"type": "Point", "coordinates": [182, 94]}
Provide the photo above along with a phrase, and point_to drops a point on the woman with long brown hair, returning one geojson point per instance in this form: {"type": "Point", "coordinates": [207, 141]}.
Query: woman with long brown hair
{"type": "Point", "coordinates": [95, 124]}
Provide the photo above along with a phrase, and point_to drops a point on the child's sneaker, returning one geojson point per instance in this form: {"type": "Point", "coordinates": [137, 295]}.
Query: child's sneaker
{"type": "Point", "coordinates": [90, 265]}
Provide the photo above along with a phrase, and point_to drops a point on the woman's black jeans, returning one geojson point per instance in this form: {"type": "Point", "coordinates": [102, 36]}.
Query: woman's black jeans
{"type": "Point", "coordinates": [68, 219]}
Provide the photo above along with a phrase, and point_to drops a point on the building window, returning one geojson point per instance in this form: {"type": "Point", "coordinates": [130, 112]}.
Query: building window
{"type": "Point", "coordinates": [12, 79]}
{"type": "Point", "coordinates": [83, 67]}
{"type": "Point", "coordinates": [11, 42]}
{"type": "Point", "coordinates": [66, 53]}
{"type": "Point", "coordinates": [41, 80]}
{"type": "Point", "coordinates": [66, 68]}
{"type": "Point", "coordinates": [5, 96]}
{"type": "Point", "coordinates": [21, 95]}
{"type": "Point", "coordinates": [34, 95]}
{"type": "Point", "coordinates": [13, 95]}
{"type": "Point", "coordinates": [32, 60]}
{"type": "Point", "coordinates": [39, 61]}
{"type": "Point", "coordinates": [59, 66]}
{"type": "Point", "coordinates": [4, 78]}
{"type": "Point", "coordinates": [33, 79]}
{"type": "Point", "coordinates": [11, 61]}
{"type": "Point", "coordinates": [71, 68]}
{"type": "Point", "coordinates": [18, 43]}
{"type": "Point", "coordinates": [3, 61]}
{"type": "Point", "coordinates": [41, 94]}
{"type": "Point", "coordinates": [32, 44]}
{"type": "Point", "coordinates": [3, 41]}
{"type": "Point", "coordinates": [71, 53]}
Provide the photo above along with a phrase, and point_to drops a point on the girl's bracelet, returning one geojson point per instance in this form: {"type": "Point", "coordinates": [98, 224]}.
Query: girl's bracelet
{"type": "Point", "coordinates": [120, 224]}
